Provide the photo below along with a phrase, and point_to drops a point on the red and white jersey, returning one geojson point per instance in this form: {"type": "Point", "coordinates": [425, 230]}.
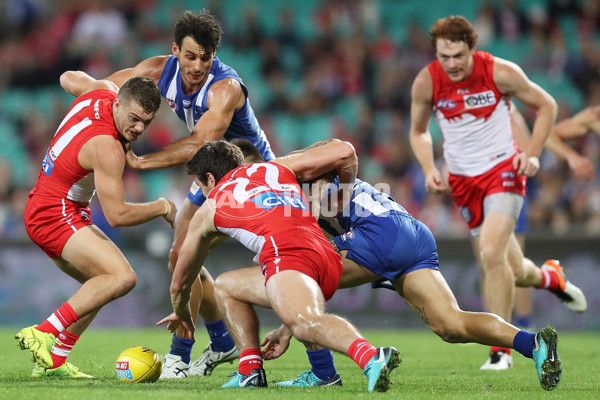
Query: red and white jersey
{"type": "Point", "coordinates": [263, 207]}
{"type": "Point", "coordinates": [474, 118]}
{"type": "Point", "coordinates": [61, 175]}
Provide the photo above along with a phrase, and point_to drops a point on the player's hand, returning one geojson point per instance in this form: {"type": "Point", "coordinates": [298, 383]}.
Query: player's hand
{"type": "Point", "coordinates": [174, 321]}
{"type": "Point", "coordinates": [526, 165]}
{"type": "Point", "coordinates": [434, 182]}
{"type": "Point", "coordinates": [170, 211]}
{"type": "Point", "coordinates": [275, 344]}
{"type": "Point", "coordinates": [130, 158]}
{"type": "Point", "coordinates": [582, 168]}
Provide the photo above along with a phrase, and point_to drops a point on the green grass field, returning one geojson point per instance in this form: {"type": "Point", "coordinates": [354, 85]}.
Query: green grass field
{"type": "Point", "coordinates": [431, 369]}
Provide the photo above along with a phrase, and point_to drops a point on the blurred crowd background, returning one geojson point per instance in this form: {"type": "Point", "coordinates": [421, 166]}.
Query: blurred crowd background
{"type": "Point", "coordinates": [315, 69]}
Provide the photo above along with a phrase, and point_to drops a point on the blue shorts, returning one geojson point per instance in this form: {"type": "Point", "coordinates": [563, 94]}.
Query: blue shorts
{"type": "Point", "coordinates": [195, 194]}
{"type": "Point", "coordinates": [390, 246]}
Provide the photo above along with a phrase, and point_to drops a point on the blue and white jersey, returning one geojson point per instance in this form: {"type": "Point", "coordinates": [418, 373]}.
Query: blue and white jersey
{"type": "Point", "coordinates": [381, 235]}
{"type": "Point", "coordinates": [367, 201]}
{"type": "Point", "coordinates": [190, 108]}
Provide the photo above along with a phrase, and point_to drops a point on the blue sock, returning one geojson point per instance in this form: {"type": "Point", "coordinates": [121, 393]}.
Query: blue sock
{"type": "Point", "coordinates": [182, 347]}
{"type": "Point", "coordinates": [322, 364]}
{"type": "Point", "coordinates": [219, 336]}
{"type": "Point", "coordinates": [524, 342]}
{"type": "Point", "coordinates": [523, 321]}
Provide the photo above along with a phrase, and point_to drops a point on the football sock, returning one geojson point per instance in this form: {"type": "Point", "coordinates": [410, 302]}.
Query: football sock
{"type": "Point", "coordinates": [523, 321]}
{"type": "Point", "coordinates": [62, 347]}
{"type": "Point", "coordinates": [550, 280]}
{"type": "Point", "coordinates": [524, 343]}
{"type": "Point", "coordinates": [361, 351]}
{"type": "Point", "coordinates": [322, 364]}
{"type": "Point", "coordinates": [182, 347]}
{"type": "Point", "coordinates": [60, 320]}
{"type": "Point", "coordinates": [504, 349]}
{"type": "Point", "coordinates": [250, 359]}
{"type": "Point", "coordinates": [220, 340]}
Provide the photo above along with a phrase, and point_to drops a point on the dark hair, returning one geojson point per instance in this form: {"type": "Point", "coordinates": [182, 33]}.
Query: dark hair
{"type": "Point", "coordinates": [202, 26]}
{"type": "Point", "coordinates": [143, 91]}
{"type": "Point", "coordinates": [217, 157]}
{"type": "Point", "coordinates": [250, 152]}
{"type": "Point", "coordinates": [454, 28]}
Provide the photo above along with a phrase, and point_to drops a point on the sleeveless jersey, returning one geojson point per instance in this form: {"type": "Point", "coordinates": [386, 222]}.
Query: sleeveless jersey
{"type": "Point", "coordinates": [61, 175]}
{"type": "Point", "coordinates": [190, 108]}
{"type": "Point", "coordinates": [380, 235]}
{"type": "Point", "coordinates": [262, 206]}
{"type": "Point", "coordinates": [474, 118]}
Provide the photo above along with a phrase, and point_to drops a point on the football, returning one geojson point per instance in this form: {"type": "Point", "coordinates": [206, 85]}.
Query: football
{"type": "Point", "coordinates": [139, 364]}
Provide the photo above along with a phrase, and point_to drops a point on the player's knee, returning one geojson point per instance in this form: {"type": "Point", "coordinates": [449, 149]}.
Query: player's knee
{"type": "Point", "coordinates": [205, 277]}
{"type": "Point", "coordinates": [221, 286]}
{"type": "Point", "coordinates": [303, 326]}
{"type": "Point", "coordinates": [490, 255]}
{"type": "Point", "coordinates": [125, 283]}
{"type": "Point", "coordinates": [301, 331]}
{"type": "Point", "coordinates": [450, 330]}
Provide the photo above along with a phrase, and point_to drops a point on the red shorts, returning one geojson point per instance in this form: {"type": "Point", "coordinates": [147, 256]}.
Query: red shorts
{"type": "Point", "coordinates": [469, 191]}
{"type": "Point", "coordinates": [318, 261]}
{"type": "Point", "coordinates": [51, 221]}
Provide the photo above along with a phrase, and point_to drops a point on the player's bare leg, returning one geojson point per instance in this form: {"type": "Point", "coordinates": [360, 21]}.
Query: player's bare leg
{"type": "Point", "coordinates": [235, 291]}
{"type": "Point", "coordinates": [91, 258]}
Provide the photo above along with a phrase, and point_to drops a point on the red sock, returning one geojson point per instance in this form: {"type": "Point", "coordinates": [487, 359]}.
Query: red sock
{"type": "Point", "coordinates": [361, 352]}
{"type": "Point", "coordinates": [504, 349]}
{"type": "Point", "coordinates": [60, 320]}
{"type": "Point", "coordinates": [550, 280]}
{"type": "Point", "coordinates": [250, 359]}
{"type": "Point", "coordinates": [62, 347]}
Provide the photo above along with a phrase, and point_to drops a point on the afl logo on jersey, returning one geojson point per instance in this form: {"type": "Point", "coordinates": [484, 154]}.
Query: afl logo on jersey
{"type": "Point", "coordinates": [445, 104]}
{"type": "Point", "coordinates": [466, 214]}
{"type": "Point", "coordinates": [47, 164]}
{"type": "Point", "coordinates": [172, 103]}
{"type": "Point", "coordinates": [348, 235]}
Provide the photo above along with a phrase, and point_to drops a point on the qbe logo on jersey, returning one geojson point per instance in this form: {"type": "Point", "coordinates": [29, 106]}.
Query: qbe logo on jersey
{"type": "Point", "coordinates": [478, 100]}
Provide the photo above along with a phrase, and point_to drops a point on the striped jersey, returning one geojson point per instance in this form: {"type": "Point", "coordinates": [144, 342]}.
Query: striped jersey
{"type": "Point", "coordinates": [262, 206]}
{"type": "Point", "coordinates": [474, 118]}
{"type": "Point", "coordinates": [61, 174]}
{"type": "Point", "coordinates": [190, 108]}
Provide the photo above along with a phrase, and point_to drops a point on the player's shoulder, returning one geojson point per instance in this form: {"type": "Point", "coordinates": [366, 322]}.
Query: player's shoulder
{"type": "Point", "coordinates": [422, 86]}
{"type": "Point", "coordinates": [152, 67]}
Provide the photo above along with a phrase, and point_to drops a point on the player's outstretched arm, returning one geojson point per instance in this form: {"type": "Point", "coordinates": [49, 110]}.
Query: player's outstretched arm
{"type": "Point", "coordinates": [193, 252]}
{"type": "Point", "coordinates": [315, 161]}
{"type": "Point", "coordinates": [78, 83]}
{"type": "Point", "coordinates": [223, 99]}
{"type": "Point", "coordinates": [151, 67]}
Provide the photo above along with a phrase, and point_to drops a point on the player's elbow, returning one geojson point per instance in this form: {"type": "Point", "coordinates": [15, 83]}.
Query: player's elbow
{"type": "Point", "coordinates": [116, 219]}
{"type": "Point", "coordinates": [345, 151]}
{"type": "Point", "coordinates": [66, 79]}
{"type": "Point", "coordinates": [552, 107]}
